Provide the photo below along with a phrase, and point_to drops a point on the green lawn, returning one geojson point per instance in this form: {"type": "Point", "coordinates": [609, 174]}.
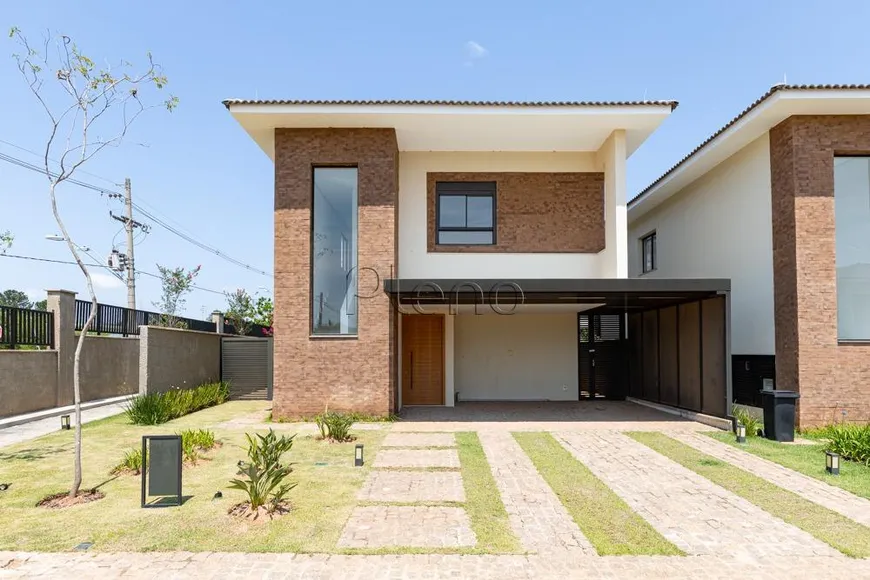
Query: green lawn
{"type": "Point", "coordinates": [847, 536]}
{"type": "Point", "coordinates": [603, 517]}
{"type": "Point", "coordinates": [322, 502]}
{"type": "Point", "coordinates": [489, 520]}
{"type": "Point", "coordinates": [806, 459]}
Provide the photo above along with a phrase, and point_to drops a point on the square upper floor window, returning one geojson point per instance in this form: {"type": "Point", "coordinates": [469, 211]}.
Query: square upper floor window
{"type": "Point", "coordinates": [465, 213]}
{"type": "Point", "coordinates": [648, 253]}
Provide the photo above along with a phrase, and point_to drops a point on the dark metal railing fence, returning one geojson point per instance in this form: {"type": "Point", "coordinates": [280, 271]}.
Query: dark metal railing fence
{"type": "Point", "coordinates": [26, 327]}
{"type": "Point", "coordinates": [252, 330]}
{"type": "Point", "coordinates": [119, 320]}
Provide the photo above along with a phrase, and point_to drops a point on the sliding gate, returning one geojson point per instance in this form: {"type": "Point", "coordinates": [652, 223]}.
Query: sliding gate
{"type": "Point", "coordinates": [602, 356]}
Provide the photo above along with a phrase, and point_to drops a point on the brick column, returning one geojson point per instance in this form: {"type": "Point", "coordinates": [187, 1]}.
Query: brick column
{"type": "Point", "coordinates": [63, 304]}
{"type": "Point", "coordinates": [831, 376]}
{"type": "Point", "coordinates": [347, 373]}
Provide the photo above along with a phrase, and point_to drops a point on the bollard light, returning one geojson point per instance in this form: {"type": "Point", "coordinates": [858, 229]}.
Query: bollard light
{"type": "Point", "coordinates": [832, 463]}
{"type": "Point", "coordinates": [358, 456]}
{"type": "Point", "coordinates": [64, 422]}
{"type": "Point", "coordinates": [741, 433]}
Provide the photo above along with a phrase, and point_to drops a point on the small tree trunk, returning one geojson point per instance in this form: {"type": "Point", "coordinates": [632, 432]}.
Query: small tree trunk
{"type": "Point", "coordinates": [77, 392]}
{"type": "Point", "coordinates": [77, 397]}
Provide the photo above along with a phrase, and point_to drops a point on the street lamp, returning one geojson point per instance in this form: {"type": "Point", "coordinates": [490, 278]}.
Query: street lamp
{"type": "Point", "coordinates": [57, 238]}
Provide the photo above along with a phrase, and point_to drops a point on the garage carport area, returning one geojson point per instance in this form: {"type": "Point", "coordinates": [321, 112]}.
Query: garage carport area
{"type": "Point", "coordinates": [660, 340]}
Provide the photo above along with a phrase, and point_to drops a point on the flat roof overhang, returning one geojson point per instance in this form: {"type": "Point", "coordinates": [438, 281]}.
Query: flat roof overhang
{"type": "Point", "coordinates": [457, 127]}
{"type": "Point", "coordinates": [608, 294]}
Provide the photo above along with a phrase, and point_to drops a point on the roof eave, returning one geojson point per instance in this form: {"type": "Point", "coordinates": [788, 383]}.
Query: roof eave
{"type": "Point", "coordinates": [764, 102]}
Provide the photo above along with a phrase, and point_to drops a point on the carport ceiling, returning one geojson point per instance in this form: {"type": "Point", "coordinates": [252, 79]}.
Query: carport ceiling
{"type": "Point", "coordinates": [608, 294]}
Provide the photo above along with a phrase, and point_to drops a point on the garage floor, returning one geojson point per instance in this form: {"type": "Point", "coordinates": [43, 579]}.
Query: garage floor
{"type": "Point", "coordinates": [544, 415]}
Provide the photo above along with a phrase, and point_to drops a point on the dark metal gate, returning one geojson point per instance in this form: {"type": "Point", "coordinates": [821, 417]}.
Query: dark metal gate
{"type": "Point", "coordinates": [602, 356]}
{"type": "Point", "coordinates": [246, 363]}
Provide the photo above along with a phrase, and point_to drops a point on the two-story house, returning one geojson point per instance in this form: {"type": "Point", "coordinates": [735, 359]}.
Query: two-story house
{"type": "Point", "coordinates": [778, 201]}
{"type": "Point", "coordinates": [429, 251]}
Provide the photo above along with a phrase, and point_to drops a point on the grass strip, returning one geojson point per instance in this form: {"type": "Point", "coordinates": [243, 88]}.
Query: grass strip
{"type": "Point", "coordinates": [807, 459]}
{"type": "Point", "coordinates": [603, 517]}
{"type": "Point", "coordinates": [843, 534]}
{"type": "Point", "coordinates": [489, 519]}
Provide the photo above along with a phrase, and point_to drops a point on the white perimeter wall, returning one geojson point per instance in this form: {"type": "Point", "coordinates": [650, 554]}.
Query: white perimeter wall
{"type": "Point", "coordinates": [519, 357]}
{"type": "Point", "coordinates": [720, 227]}
{"type": "Point", "coordinates": [416, 262]}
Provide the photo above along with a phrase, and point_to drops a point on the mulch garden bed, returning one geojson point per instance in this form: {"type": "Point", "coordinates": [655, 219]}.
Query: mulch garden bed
{"type": "Point", "coordinates": [63, 500]}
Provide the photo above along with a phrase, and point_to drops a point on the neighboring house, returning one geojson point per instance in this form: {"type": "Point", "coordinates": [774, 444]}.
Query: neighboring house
{"type": "Point", "coordinates": [430, 251]}
{"type": "Point", "coordinates": [778, 201]}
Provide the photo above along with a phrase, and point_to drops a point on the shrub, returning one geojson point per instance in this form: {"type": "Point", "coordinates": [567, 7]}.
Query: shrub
{"type": "Point", "coordinates": [753, 425]}
{"type": "Point", "coordinates": [157, 408]}
{"type": "Point", "coordinates": [334, 426]}
{"type": "Point", "coordinates": [192, 442]}
{"type": "Point", "coordinates": [200, 438]}
{"type": "Point", "coordinates": [264, 474]}
{"type": "Point", "coordinates": [147, 410]}
{"type": "Point", "coordinates": [850, 441]}
{"type": "Point", "coordinates": [132, 462]}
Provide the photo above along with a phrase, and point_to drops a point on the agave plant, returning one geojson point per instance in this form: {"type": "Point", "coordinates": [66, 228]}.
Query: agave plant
{"type": "Point", "coordinates": [264, 474]}
{"type": "Point", "coordinates": [334, 426]}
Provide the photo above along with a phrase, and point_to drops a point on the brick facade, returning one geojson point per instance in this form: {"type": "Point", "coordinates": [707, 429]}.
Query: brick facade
{"type": "Point", "coordinates": [357, 373]}
{"type": "Point", "coordinates": [830, 376]}
{"type": "Point", "coordinates": [536, 212]}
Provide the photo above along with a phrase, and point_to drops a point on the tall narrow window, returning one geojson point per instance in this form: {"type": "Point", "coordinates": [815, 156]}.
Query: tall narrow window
{"type": "Point", "coordinates": [852, 225]}
{"type": "Point", "coordinates": [334, 251]}
{"type": "Point", "coordinates": [648, 252]}
{"type": "Point", "coordinates": [465, 213]}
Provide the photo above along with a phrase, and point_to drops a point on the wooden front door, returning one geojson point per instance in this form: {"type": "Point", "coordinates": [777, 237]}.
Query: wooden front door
{"type": "Point", "coordinates": [422, 359]}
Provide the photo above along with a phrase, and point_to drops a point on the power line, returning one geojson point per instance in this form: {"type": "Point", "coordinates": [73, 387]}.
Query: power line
{"type": "Point", "coordinates": [41, 156]}
{"type": "Point", "coordinates": [98, 265]}
{"type": "Point", "coordinates": [197, 243]}
{"type": "Point", "coordinates": [38, 169]}
{"type": "Point", "coordinates": [115, 194]}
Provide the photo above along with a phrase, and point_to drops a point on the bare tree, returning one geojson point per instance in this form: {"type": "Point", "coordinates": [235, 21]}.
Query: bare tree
{"type": "Point", "coordinates": [88, 108]}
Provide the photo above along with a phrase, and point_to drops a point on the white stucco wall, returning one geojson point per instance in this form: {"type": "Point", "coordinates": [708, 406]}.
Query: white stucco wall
{"type": "Point", "coordinates": [416, 262]}
{"type": "Point", "coordinates": [720, 227]}
{"type": "Point", "coordinates": [519, 357]}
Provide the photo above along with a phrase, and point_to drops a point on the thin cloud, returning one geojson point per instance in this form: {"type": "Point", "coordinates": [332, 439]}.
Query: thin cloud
{"type": "Point", "coordinates": [474, 51]}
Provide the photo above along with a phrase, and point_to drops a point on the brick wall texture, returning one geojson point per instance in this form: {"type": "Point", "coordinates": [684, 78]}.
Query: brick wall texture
{"type": "Point", "coordinates": [830, 376]}
{"type": "Point", "coordinates": [345, 373]}
{"type": "Point", "coordinates": [536, 212]}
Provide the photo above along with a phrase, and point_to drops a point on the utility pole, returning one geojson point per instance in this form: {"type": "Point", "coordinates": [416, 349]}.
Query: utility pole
{"type": "Point", "coordinates": [131, 266]}
{"type": "Point", "coordinates": [127, 259]}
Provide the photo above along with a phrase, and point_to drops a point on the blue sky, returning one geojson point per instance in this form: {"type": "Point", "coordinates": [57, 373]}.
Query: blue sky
{"type": "Point", "coordinates": [198, 168]}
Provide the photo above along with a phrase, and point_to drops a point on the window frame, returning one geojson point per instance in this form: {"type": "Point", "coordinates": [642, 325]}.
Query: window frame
{"type": "Point", "coordinates": [466, 189]}
{"type": "Point", "coordinates": [313, 334]}
{"type": "Point", "coordinates": [838, 155]}
{"type": "Point", "coordinates": [653, 252]}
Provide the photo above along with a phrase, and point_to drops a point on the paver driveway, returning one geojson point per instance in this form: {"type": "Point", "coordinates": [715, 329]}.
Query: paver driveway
{"type": "Point", "coordinates": [414, 501]}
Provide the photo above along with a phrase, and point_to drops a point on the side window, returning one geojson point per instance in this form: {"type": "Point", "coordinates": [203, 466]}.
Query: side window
{"type": "Point", "coordinates": [648, 253]}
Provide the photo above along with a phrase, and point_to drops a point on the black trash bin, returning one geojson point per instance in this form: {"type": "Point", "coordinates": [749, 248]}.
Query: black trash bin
{"type": "Point", "coordinates": [779, 414]}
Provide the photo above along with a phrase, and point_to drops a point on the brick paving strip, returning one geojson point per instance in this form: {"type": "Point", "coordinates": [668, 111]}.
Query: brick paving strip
{"type": "Point", "coordinates": [413, 458]}
{"type": "Point", "coordinates": [419, 440]}
{"type": "Point", "coordinates": [391, 486]}
{"type": "Point", "coordinates": [570, 565]}
{"type": "Point", "coordinates": [695, 514]}
{"type": "Point", "coordinates": [834, 498]}
{"type": "Point", "coordinates": [407, 526]}
{"type": "Point", "coordinates": [536, 515]}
